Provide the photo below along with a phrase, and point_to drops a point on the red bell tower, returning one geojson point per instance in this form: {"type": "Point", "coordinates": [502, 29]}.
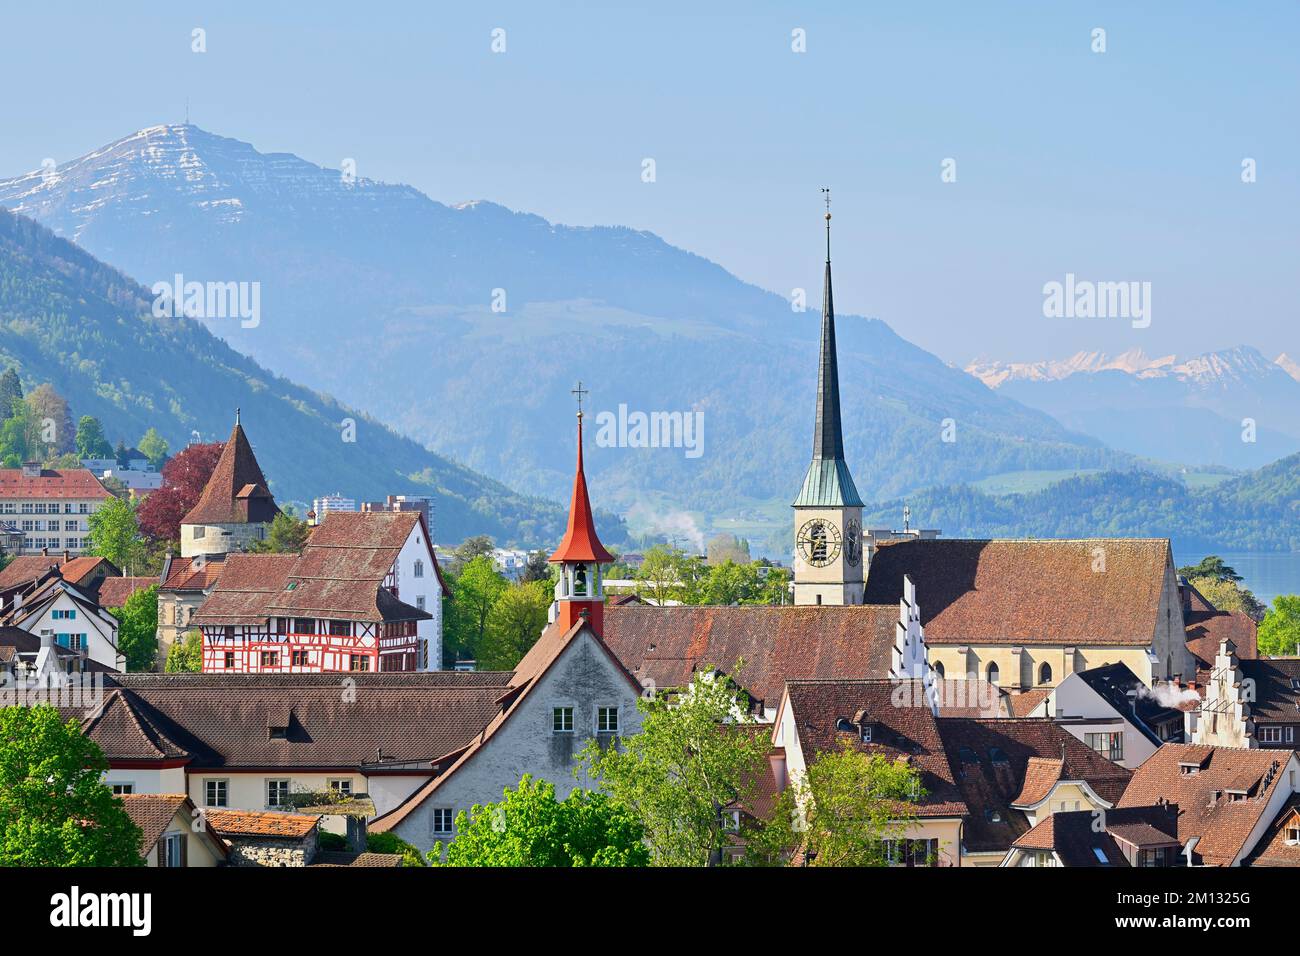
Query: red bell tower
{"type": "Point", "coordinates": [579, 593]}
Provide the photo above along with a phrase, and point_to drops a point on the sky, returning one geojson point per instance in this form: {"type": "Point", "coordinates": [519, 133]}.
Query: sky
{"type": "Point", "coordinates": [1117, 166]}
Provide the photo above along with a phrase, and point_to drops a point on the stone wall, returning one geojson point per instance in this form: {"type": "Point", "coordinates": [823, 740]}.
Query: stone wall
{"type": "Point", "coordinates": [268, 851]}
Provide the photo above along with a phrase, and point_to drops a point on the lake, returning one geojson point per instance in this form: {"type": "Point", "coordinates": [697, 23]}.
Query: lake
{"type": "Point", "coordinates": [1268, 574]}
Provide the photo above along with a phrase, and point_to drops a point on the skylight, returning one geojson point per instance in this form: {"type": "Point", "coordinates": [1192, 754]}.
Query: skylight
{"type": "Point", "coordinates": [1101, 856]}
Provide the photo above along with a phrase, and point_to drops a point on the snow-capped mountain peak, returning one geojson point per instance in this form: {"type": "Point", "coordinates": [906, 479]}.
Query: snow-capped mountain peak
{"type": "Point", "coordinates": [1210, 368]}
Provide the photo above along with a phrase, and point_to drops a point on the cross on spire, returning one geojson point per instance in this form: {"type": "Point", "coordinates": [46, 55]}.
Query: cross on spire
{"type": "Point", "coordinates": [826, 194]}
{"type": "Point", "coordinates": [580, 392]}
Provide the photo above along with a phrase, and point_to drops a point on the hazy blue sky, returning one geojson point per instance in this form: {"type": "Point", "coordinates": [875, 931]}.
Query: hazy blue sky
{"type": "Point", "coordinates": [1124, 165]}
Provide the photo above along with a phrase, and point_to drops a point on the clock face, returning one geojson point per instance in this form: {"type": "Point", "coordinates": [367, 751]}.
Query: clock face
{"type": "Point", "coordinates": [819, 542]}
{"type": "Point", "coordinates": [853, 543]}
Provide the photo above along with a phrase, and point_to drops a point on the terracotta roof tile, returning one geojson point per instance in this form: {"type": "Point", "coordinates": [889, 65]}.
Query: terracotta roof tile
{"type": "Point", "coordinates": [194, 574]}
{"type": "Point", "coordinates": [1277, 689]}
{"type": "Point", "coordinates": [1074, 836]}
{"type": "Point", "coordinates": [153, 813]}
{"type": "Point", "coordinates": [1035, 591]}
{"type": "Point", "coordinates": [236, 493]}
{"type": "Point", "coordinates": [113, 592]}
{"type": "Point", "coordinates": [62, 483]}
{"type": "Point", "coordinates": [667, 645]}
{"type": "Point", "coordinates": [1273, 848]}
{"type": "Point", "coordinates": [1223, 826]}
{"type": "Point", "coordinates": [267, 823]}
{"type": "Point", "coordinates": [26, 568]}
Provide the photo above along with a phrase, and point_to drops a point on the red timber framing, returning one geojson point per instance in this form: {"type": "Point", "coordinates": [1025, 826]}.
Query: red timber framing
{"type": "Point", "coordinates": [310, 646]}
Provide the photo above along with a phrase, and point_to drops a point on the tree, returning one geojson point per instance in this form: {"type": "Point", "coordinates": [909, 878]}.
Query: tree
{"type": "Point", "coordinates": [1211, 566]}
{"type": "Point", "coordinates": [474, 591]}
{"type": "Point", "coordinates": [184, 477]}
{"type": "Point", "coordinates": [1279, 632]}
{"type": "Point", "coordinates": [287, 535]}
{"type": "Point", "coordinates": [11, 390]}
{"type": "Point", "coordinates": [537, 568]}
{"type": "Point", "coordinates": [186, 655]}
{"type": "Point", "coordinates": [122, 454]}
{"type": "Point", "coordinates": [54, 809]}
{"type": "Point", "coordinates": [17, 434]}
{"type": "Point", "coordinates": [115, 534]}
{"type": "Point", "coordinates": [52, 420]}
{"type": "Point", "coordinates": [1226, 595]}
{"type": "Point", "coordinates": [531, 828]}
{"type": "Point", "coordinates": [389, 842]}
{"type": "Point", "coordinates": [661, 573]}
{"type": "Point", "coordinates": [154, 447]}
{"type": "Point", "coordinates": [727, 547]}
{"type": "Point", "coordinates": [91, 442]}
{"type": "Point", "coordinates": [841, 812]}
{"type": "Point", "coordinates": [469, 549]}
{"type": "Point", "coordinates": [695, 756]}
{"type": "Point", "coordinates": [516, 620]}
{"type": "Point", "coordinates": [137, 632]}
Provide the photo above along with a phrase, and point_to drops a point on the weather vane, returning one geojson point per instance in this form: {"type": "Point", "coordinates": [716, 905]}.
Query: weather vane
{"type": "Point", "coordinates": [580, 392]}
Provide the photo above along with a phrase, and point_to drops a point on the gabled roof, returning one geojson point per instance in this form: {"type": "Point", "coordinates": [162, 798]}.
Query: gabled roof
{"type": "Point", "coordinates": [1113, 683]}
{"type": "Point", "coordinates": [1027, 591]}
{"type": "Point", "coordinates": [194, 574]}
{"type": "Point", "coordinates": [226, 720]}
{"type": "Point", "coordinates": [902, 728]}
{"type": "Point", "coordinates": [1003, 766]}
{"type": "Point", "coordinates": [154, 812]}
{"type": "Point", "coordinates": [539, 659]}
{"type": "Point", "coordinates": [26, 568]}
{"type": "Point", "coordinates": [1223, 826]}
{"type": "Point", "coordinates": [1075, 838]}
{"type": "Point", "coordinates": [580, 542]}
{"type": "Point", "coordinates": [37, 598]}
{"type": "Point", "coordinates": [237, 492]}
{"type": "Point", "coordinates": [1273, 848]}
{"type": "Point", "coordinates": [667, 645]}
{"type": "Point", "coordinates": [62, 483]}
{"type": "Point", "coordinates": [244, 589]}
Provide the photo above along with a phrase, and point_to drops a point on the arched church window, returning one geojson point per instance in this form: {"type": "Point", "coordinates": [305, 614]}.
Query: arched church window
{"type": "Point", "coordinates": [992, 672]}
{"type": "Point", "coordinates": [1045, 673]}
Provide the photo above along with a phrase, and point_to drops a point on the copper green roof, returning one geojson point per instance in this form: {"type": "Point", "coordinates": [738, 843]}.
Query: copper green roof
{"type": "Point", "coordinates": [828, 484]}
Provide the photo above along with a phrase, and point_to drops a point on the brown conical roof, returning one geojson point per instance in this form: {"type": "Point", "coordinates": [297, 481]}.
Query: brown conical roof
{"type": "Point", "coordinates": [236, 493]}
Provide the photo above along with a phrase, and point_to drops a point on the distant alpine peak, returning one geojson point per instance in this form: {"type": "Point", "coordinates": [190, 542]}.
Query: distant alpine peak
{"type": "Point", "coordinates": [1239, 362]}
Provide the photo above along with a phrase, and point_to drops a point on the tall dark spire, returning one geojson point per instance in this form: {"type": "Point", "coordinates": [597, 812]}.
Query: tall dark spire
{"type": "Point", "coordinates": [828, 482]}
{"type": "Point", "coordinates": [828, 441]}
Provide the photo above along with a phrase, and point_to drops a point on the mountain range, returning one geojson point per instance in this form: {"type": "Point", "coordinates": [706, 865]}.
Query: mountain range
{"type": "Point", "coordinates": [465, 326]}
{"type": "Point", "coordinates": [87, 329]}
{"type": "Point", "coordinates": [1234, 408]}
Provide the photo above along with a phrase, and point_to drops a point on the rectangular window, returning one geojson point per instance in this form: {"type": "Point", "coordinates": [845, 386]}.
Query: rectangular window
{"type": "Point", "coordinates": [911, 852]}
{"type": "Point", "coordinates": [171, 850]}
{"type": "Point", "coordinates": [299, 658]}
{"type": "Point", "coordinates": [270, 658]}
{"type": "Point", "coordinates": [277, 793]}
{"type": "Point", "coordinates": [442, 819]}
{"type": "Point", "coordinates": [1270, 735]}
{"type": "Point", "coordinates": [341, 628]}
{"type": "Point", "coordinates": [419, 601]}
{"type": "Point", "coordinates": [121, 789]}
{"type": "Point", "coordinates": [562, 720]}
{"type": "Point", "coordinates": [230, 660]}
{"type": "Point", "coordinates": [304, 625]}
{"type": "Point", "coordinates": [341, 786]}
{"type": "Point", "coordinates": [606, 720]}
{"type": "Point", "coordinates": [1110, 746]}
{"type": "Point", "coordinates": [358, 662]}
{"type": "Point", "coordinates": [216, 793]}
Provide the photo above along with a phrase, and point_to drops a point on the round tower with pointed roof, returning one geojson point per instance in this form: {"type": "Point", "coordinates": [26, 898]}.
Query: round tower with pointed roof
{"type": "Point", "coordinates": [579, 593]}
{"type": "Point", "coordinates": [235, 509]}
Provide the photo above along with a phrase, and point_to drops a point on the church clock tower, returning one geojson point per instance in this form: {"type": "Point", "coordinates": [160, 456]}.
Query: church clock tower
{"type": "Point", "coordinates": [828, 565]}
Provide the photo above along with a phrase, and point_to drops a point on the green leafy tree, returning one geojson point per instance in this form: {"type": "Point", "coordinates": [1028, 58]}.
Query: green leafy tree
{"type": "Point", "coordinates": [54, 811]}
{"type": "Point", "coordinates": [1211, 566]}
{"type": "Point", "coordinates": [115, 534]}
{"type": "Point", "coordinates": [52, 420]}
{"type": "Point", "coordinates": [469, 549]}
{"type": "Point", "coordinates": [137, 631]}
{"type": "Point", "coordinates": [287, 535]}
{"type": "Point", "coordinates": [727, 547]}
{"type": "Point", "coordinates": [474, 592]}
{"type": "Point", "coordinates": [11, 390]}
{"type": "Point", "coordinates": [91, 442]}
{"type": "Point", "coordinates": [696, 755]}
{"type": "Point", "coordinates": [537, 568]}
{"type": "Point", "coordinates": [531, 828]}
{"type": "Point", "coordinates": [515, 622]}
{"type": "Point", "coordinates": [186, 655]}
{"type": "Point", "coordinates": [17, 435]}
{"type": "Point", "coordinates": [154, 447]}
{"type": "Point", "coordinates": [392, 843]}
{"type": "Point", "coordinates": [1279, 632]}
{"type": "Point", "coordinates": [842, 812]}
{"type": "Point", "coordinates": [1227, 595]}
{"type": "Point", "coordinates": [122, 454]}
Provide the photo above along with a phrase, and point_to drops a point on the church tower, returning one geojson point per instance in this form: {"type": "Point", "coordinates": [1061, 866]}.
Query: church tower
{"type": "Point", "coordinates": [828, 512]}
{"type": "Point", "coordinates": [579, 593]}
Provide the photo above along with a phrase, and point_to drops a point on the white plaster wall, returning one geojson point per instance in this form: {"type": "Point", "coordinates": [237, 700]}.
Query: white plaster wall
{"type": "Point", "coordinates": [409, 588]}
{"type": "Point", "coordinates": [101, 635]}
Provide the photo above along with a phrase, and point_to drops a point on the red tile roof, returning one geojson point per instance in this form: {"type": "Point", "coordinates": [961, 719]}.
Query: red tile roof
{"type": "Point", "coordinates": [113, 592]}
{"type": "Point", "coordinates": [1205, 629]}
{"type": "Point", "coordinates": [194, 574]}
{"type": "Point", "coordinates": [26, 568]}
{"type": "Point", "coordinates": [1223, 825]}
{"type": "Point", "coordinates": [666, 645]}
{"type": "Point", "coordinates": [153, 813]}
{"type": "Point", "coordinates": [267, 823]}
{"type": "Point", "coordinates": [237, 492]}
{"type": "Point", "coordinates": [1277, 689]}
{"type": "Point", "coordinates": [1030, 591]}
{"type": "Point", "coordinates": [1273, 848]}
{"type": "Point", "coordinates": [902, 728]}
{"type": "Point", "coordinates": [1076, 839]}
{"type": "Point", "coordinates": [63, 483]}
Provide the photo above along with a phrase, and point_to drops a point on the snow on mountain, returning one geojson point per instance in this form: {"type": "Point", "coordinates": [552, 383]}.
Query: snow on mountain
{"type": "Point", "coordinates": [1238, 364]}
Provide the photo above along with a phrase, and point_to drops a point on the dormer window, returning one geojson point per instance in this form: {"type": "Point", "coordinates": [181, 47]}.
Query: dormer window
{"type": "Point", "coordinates": [967, 755]}
{"type": "Point", "coordinates": [1293, 833]}
{"type": "Point", "coordinates": [1188, 769]}
{"type": "Point", "coordinates": [864, 733]}
{"type": "Point", "coordinates": [998, 755]}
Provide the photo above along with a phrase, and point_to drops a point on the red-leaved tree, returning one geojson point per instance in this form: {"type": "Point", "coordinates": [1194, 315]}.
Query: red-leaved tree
{"type": "Point", "coordinates": [184, 476]}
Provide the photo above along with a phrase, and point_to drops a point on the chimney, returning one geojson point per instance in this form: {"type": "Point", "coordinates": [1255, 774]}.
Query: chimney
{"type": "Point", "coordinates": [45, 552]}
{"type": "Point", "coordinates": [47, 637]}
{"type": "Point", "coordinates": [67, 555]}
{"type": "Point", "coordinates": [31, 469]}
